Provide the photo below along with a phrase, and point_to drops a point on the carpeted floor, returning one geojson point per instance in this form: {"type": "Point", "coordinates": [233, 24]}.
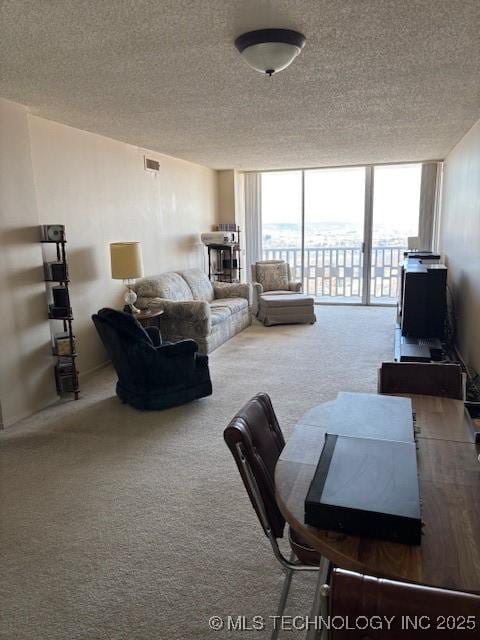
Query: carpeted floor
{"type": "Point", "coordinates": [118, 524]}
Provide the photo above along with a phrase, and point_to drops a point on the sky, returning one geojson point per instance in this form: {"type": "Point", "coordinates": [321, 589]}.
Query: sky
{"type": "Point", "coordinates": [337, 195]}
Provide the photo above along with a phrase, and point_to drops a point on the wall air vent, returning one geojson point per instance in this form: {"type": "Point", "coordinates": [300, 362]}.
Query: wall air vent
{"type": "Point", "coordinates": [151, 165]}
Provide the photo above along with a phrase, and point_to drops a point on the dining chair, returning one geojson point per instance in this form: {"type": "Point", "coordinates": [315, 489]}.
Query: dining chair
{"type": "Point", "coordinates": [255, 440]}
{"type": "Point", "coordinates": [416, 612]}
{"type": "Point", "coordinates": [425, 378]}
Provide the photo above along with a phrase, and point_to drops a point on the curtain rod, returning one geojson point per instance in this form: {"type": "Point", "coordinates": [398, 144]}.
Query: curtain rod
{"type": "Point", "coordinates": [342, 166]}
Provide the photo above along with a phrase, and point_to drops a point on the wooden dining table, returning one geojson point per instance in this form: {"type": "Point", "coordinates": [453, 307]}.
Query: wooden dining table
{"type": "Point", "coordinates": [449, 483]}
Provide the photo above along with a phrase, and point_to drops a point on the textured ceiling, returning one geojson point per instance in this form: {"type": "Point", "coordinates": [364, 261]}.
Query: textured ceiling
{"type": "Point", "coordinates": [378, 80]}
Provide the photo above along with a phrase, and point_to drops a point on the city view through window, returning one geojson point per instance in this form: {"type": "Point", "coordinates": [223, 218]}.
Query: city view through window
{"type": "Point", "coordinates": [333, 209]}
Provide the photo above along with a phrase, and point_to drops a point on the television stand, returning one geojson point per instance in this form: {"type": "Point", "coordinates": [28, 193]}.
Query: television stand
{"type": "Point", "coordinates": [417, 349]}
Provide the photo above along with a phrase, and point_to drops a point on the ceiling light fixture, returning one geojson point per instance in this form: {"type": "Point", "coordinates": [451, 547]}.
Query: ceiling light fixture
{"type": "Point", "coordinates": [270, 50]}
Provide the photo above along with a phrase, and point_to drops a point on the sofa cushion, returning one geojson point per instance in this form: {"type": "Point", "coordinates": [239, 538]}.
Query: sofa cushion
{"type": "Point", "coordinates": [199, 284]}
{"type": "Point", "coordinates": [233, 305]}
{"type": "Point", "coordinates": [219, 315]}
{"type": "Point", "coordinates": [168, 285]}
{"type": "Point", "coordinates": [273, 275]}
{"type": "Point", "coordinates": [293, 300]}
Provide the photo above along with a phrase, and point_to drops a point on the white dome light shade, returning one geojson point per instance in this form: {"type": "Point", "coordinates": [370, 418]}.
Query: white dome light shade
{"type": "Point", "coordinates": [270, 56]}
{"type": "Point", "coordinates": [270, 50]}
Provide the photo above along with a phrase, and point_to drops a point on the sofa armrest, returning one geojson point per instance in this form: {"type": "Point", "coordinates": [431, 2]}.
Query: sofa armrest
{"type": "Point", "coordinates": [155, 335]}
{"type": "Point", "coordinates": [257, 292]}
{"type": "Point", "coordinates": [295, 286]}
{"type": "Point", "coordinates": [257, 288]}
{"type": "Point", "coordinates": [182, 347]}
{"type": "Point", "coordinates": [233, 290]}
{"type": "Point", "coordinates": [183, 317]}
{"type": "Point", "coordinates": [168, 364]}
{"type": "Point", "coordinates": [181, 309]}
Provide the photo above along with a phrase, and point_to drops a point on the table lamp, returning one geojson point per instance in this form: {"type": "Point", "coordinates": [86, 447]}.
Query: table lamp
{"type": "Point", "coordinates": [127, 265]}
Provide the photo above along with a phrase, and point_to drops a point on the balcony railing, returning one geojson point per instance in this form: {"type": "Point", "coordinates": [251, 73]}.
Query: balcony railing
{"type": "Point", "coordinates": [336, 272]}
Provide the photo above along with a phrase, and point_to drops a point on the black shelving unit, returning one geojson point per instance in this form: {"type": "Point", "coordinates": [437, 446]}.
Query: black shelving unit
{"type": "Point", "coordinates": [224, 260]}
{"type": "Point", "coordinates": [63, 344]}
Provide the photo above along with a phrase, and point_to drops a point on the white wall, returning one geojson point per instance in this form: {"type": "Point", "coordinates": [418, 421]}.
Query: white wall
{"type": "Point", "coordinates": [25, 361]}
{"type": "Point", "coordinates": [226, 196]}
{"type": "Point", "coordinates": [460, 239]}
{"type": "Point", "coordinates": [231, 207]}
{"type": "Point", "coordinates": [99, 189]}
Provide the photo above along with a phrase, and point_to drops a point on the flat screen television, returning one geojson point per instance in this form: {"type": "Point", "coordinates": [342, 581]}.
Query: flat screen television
{"type": "Point", "coordinates": [423, 299]}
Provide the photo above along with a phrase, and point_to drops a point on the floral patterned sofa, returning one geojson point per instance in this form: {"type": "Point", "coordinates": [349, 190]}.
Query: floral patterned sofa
{"type": "Point", "coordinates": [196, 308]}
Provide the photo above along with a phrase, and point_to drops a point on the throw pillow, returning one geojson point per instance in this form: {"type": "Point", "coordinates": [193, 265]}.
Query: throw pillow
{"type": "Point", "coordinates": [273, 276]}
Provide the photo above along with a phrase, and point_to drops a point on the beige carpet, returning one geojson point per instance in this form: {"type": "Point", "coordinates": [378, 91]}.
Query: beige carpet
{"type": "Point", "coordinates": [117, 524]}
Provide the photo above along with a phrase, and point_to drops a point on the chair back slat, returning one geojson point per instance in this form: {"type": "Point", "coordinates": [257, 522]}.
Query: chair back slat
{"type": "Point", "coordinates": [364, 598]}
{"type": "Point", "coordinates": [254, 436]}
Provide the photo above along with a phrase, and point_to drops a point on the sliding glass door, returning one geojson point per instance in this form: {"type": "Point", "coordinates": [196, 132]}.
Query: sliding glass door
{"type": "Point", "coordinates": [343, 231]}
{"type": "Point", "coordinates": [282, 226]}
{"type": "Point", "coordinates": [396, 200]}
{"type": "Point", "coordinates": [333, 234]}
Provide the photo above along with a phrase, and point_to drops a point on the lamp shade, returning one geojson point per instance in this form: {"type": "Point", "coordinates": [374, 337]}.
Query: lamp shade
{"type": "Point", "coordinates": [270, 50]}
{"type": "Point", "coordinates": [126, 260]}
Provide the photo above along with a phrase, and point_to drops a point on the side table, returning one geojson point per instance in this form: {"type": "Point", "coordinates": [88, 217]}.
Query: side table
{"type": "Point", "coordinates": [150, 317]}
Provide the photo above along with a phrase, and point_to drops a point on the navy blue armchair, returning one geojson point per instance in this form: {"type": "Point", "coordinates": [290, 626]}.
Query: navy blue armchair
{"type": "Point", "coordinates": [151, 374]}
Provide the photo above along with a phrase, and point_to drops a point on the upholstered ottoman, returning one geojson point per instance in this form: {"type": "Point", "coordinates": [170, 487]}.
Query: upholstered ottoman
{"type": "Point", "coordinates": [286, 309]}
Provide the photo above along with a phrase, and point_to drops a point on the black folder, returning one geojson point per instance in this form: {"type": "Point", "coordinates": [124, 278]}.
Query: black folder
{"type": "Point", "coordinates": [366, 487]}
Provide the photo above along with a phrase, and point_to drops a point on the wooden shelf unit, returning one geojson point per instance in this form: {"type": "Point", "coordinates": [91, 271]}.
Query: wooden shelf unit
{"type": "Point", "coordinates": [66, 373]}
{"type": "Point", "coordinates": [224, 259]}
